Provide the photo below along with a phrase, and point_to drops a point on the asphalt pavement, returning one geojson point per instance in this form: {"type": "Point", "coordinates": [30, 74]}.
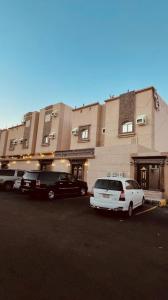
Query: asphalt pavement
{"type": "Point", "coordinates": [66, 250]}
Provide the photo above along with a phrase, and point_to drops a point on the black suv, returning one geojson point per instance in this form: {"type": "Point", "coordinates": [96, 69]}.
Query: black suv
{"type": "Point", "coordinates": [52, 184]}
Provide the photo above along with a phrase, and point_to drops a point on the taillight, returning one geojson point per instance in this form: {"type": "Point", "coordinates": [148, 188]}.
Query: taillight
{"type": "Point", "coordinates": [122, 196]}
{"type": "Point", "coordinates": [37, 182]}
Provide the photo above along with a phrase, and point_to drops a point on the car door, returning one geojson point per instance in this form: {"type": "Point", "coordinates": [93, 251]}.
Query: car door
{"type": "Point", "coordinates": [63, 185]}
{"type": "Point", "coordinates": [74, 187]}
{"type": "Point", "coordinates": [130, 193]}
{"type": "Point", "coordinates": [138, 192]}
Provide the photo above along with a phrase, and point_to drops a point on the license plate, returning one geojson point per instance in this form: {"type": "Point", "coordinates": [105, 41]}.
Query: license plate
{"type": "Point", "coordinates": [106, 196]}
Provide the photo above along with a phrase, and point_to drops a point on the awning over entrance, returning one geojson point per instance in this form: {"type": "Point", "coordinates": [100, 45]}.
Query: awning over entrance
{"type": "Point", "coordinates": [75, 154]}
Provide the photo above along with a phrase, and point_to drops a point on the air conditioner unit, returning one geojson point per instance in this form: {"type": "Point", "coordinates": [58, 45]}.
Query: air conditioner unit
{"type": "Point", "coordinates": [141, 120]}
{"type": "Point", "coordinates": [14, 142]}
{"type": "Point", "coordinates": [54, 114]}
{"type": "Point", "coordinates": [75, 131]}
{"type": "Point", "coordinates": [20, 141]}
{"type": "Point", "coordinates": [52, 136]}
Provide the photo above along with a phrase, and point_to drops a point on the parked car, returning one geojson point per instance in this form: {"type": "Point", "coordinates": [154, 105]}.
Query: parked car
{"type": "Point", "coordinates": [117, 193]}
{"type": "Point", "coordinates": [8, 177]}
{"type": "Point", "coordinates": [52, 184]}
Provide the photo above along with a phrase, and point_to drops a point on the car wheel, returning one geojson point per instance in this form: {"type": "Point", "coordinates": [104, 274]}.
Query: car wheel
{"type": "Point", "coordinates": [83, 191]}
{"type": "Point", "coordinates": [143, 201]}
{"type": "Point", "coordinates": [51, 195]}
{"type": "Point", "coordinates": [8, 186]}
{"type": "Point", "coordinates": [130, 210]}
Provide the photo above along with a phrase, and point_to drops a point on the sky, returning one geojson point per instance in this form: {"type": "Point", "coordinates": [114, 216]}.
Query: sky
{"type": "Point", "coordinates": [79, 52]}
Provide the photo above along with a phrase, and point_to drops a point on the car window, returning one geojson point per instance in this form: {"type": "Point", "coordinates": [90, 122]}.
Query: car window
{"type": "Point", "coordinates": [20, 173]}
{"type": "Point", "coordinates": [106, 184]}
{"type": "Point", "coordinates": [71, 178]}
{"type": "Point", "coordinates": [135, 185]}
{"type": "Point", "coordinates": [63, 176]}
{"type": "Point", "coordinates": [102, 184]}
{"type": "Point", "coordinates": [7, 172]}
{"type": "Point", "coordinates": [48, 177]}
{"type": "Point", "coordinates": [129, 185]}
{"type": "Point", "coordinates": [115, 185]}
{"type": "Point", "coordinates": [30, 175]}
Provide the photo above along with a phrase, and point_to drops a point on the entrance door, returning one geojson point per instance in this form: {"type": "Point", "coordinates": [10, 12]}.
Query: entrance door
{"type": "Point", "coordinates": [77, 169]}
{"type": "Point", "coordinates": [149, 176]}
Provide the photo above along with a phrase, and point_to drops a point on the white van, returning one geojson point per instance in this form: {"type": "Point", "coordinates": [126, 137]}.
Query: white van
{"type": "Point", "coordinates": [117, 193]}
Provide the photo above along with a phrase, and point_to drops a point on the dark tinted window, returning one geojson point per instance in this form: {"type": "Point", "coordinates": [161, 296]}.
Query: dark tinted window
{"type": "Point", "coordinates": [20, 173]}
{"type": "Point", "coordinates": [7, 172]}
{"type": "Point", "coordinates": [129, 185]}
{"type": "Point", "coordinates": [48, 177]}
{"type": "Point", "coordinates": [135, 185]}
{"type": "Point", "coordinates": [63, 176]}
{"type": "Point", "coordinates": [115, 185]}
{"type": "Point", "coordinates": [31, 175]}
{"type": "Point", "coordinates": [106, 184]}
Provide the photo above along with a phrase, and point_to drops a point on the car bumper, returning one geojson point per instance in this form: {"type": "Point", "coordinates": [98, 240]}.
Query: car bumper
{"type": "Point", "coordinates": [113, 206]}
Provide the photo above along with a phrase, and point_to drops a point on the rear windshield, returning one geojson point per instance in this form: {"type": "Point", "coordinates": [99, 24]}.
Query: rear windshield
{"type": "Point", "coordinates": [106, 184]}
{"type": "Point", "coordinates": [7, 172]}
{"type": "Point", "coordinates": [43, 176]}
{"type": "Point", "coordinates": [31, 175]}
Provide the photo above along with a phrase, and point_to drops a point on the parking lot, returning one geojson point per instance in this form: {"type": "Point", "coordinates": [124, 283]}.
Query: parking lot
{"type": "Point", "coordinates": [63, 249]}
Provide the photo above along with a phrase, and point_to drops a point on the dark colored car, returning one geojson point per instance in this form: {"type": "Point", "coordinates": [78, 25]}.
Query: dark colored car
{"type": "Point", "coordinates": [52, 184]}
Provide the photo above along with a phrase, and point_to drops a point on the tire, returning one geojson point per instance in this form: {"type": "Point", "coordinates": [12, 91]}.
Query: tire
{"type": "Point", "coordinates": [143, 201]}
{"type": "Point", "coordinates": [8, 186]}
{"type": "Point", "coordinates": [51, 195]}
{"type": "Point", "coordinates": [130, 210]}
{"type": "Point", "coordinates": [83, 191]}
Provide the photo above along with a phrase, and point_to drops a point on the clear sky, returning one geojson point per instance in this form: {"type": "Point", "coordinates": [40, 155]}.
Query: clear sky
{"type": "Point", "coordinates": [79, 51]}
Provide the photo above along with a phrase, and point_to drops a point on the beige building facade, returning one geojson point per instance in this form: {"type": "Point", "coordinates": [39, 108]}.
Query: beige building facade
{"type": "Point", "coordinates": [125, 135]}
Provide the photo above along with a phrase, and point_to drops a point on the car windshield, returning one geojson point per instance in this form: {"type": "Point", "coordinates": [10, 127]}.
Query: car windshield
{"type": "Point", "coordinates": [31, 175]}
{"type": "Point", "coordinates": [106, 184]}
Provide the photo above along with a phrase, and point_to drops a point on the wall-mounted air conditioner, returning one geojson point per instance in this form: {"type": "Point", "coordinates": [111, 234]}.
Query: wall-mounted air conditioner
{"type": "Point", "coordinates": [54, 114]}
{"type": "Point", "coordinates": [141, 120]}
{"type": "Point", "coordinates": [52, 136]}
{"type": "Point", "coordinates": [20, 141]}
{"type": "Point", "coordinates": [14, 142]}
{"type": "Point", "coordinates": [75, 131]}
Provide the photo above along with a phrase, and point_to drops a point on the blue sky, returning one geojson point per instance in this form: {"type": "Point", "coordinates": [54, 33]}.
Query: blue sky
{"type": "Point", "coordinates": [78, 52]}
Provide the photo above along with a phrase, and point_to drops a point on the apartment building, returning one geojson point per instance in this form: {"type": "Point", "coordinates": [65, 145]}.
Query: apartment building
{"type": "Point", "coordinates": [124, 135]}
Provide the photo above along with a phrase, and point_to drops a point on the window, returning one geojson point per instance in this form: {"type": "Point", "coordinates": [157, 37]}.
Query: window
{"type": "Point", "coordinates": [27, 123]}
{"type": "Point", "coordinates": [64, 177]}
{"type": "Point", "coordinates": [46, 140]}
{"type": "Point", "coordinates": [127, 127]}
{"type": "Point", "coordinates": [11, 145]}
{"type": "Point", "coordinates": [25, 143]}
{"type": "Point", "coordinates": [84, 133]}
{"type": "Point", "coordinates": [106, 184]}
{"type": "Point", "coordinates": [47, 117]}
{"type": "Point", "coordinates": [131, 185]}
{"type": "Point", "coordinates": [20, 173]}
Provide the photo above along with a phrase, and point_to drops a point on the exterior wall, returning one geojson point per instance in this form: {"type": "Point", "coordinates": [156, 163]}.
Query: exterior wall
{"type": "Point", "coordinates": [60, 125]}
{"type": "Point", "coordinates": [24, 165]}
{"type": "Point", "coordinates": [3, 141]}
{"type": "Point", "coordinates": [110, 160]}
{"type": "Point", "coordinates": [18, 132]}
{"type": "Point", "coordinates": [143, 134]}
{"type": "Point", "coordinates": [15, 133]}
{"type": "Point", "coordinates": [89, 115]}
{"type": "Point", "coordinates": [161, 127]}
{"type": "Point", "coordinates": [166, 181]}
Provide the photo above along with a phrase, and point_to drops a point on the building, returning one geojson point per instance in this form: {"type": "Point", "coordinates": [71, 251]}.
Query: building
{"type": "Point", "coordinates": [125, 135]}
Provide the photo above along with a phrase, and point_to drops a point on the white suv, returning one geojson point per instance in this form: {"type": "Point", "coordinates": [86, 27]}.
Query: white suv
{"type": "Point", "coordinates": [117, 193]}
{"type": "Point", "coordinates": [8, 177]}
